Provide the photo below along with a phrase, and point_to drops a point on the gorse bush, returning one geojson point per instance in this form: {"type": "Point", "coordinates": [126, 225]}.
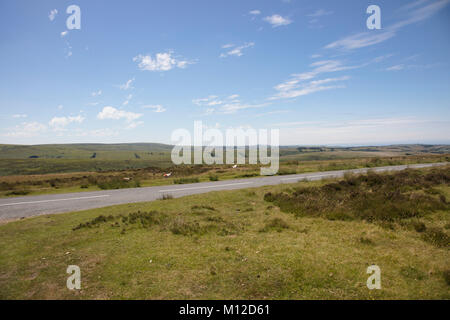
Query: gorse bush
{"type": "Point", "coordinates": [371, 197]}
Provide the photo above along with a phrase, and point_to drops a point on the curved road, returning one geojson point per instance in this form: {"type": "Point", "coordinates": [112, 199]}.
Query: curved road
{"type": "Point", "coordinates": [16, 208]}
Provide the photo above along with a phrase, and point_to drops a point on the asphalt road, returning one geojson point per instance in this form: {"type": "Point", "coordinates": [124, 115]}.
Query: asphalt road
{"type": "Point", "coordinates": [16, 208]}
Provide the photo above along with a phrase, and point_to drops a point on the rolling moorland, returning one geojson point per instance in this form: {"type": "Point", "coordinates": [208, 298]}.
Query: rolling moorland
{"type": "Point", "coordinates": [309, 240]}
{"type": "Point", "coordinates": [46, 169]}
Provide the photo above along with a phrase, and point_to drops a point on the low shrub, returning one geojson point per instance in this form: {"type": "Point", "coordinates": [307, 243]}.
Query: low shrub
{"type": "Point", "coordinates": [214, 177]}
{"type": "Point", "coordinates": [18, 193]}
{"type": "Point", "coordinates": [372, 197]}
{"type": "Point", "coordinates": [186, 180]}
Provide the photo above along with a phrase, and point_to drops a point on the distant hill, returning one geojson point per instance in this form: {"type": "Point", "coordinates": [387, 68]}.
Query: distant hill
{"type": "Point", "coordinates": [125, 151]}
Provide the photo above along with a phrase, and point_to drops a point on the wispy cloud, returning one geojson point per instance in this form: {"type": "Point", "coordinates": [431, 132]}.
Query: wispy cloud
{"type": "Point", "coordinates": [397, 67]}
{"type": "Point", "coordinates": [277, 21]}
{"type": "Point", "coordinates": [164, 61]}
{"type": "Point", "coordinates": [127, 85]}
{"type": "Point", "coordinates": [228, 105]}
{"type": "Point", "coordinates": [236, 51]}
{"type": "Point", "coordinates": [302, 84]}
{"type": "Point", "coordinates": [255, 12]}
{"type": "Point", "coordinates": [362, 131]}
{"type": "Point", "coordinates": [127, 101]}
{"type": "Point", "coordinates": [52, 14]}
{"type": "Point", "coordinates": [413, 15]}
{"type": "Point", "coordinates": [96, 93]}
{"type": "Point", "coordinates": [155, 108]}
{"type": "Point", "coordinates": [18, 116]}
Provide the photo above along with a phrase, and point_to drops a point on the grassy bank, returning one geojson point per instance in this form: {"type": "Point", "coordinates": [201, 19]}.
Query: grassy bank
{"type": "Point", "coordinates": [239, 245]}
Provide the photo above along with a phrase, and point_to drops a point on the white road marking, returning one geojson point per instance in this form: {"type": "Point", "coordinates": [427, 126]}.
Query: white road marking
{"type": "Point", "coordinates": [218, 186]}
{"type": "Point", "coordinates": [308, 177]}
{"type": "Point", "coordinates": [55, 200]}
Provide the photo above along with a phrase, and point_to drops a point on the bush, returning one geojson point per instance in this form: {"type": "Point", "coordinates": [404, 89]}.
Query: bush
{"type": "Point", "coordinates": [180, 226]}
{"type": "Point", "coordinates": [117, 183]}
{"type": "Point", "coordinates": [186, 180]}
{"type": "Point", "coordinates": [18, 193]}
{"type": "Point", "coordinates": [214, 178]}
{"type": "Point", "coordinates": [372, 197]}
{"type": "Point", "coordinates": [166, 197]}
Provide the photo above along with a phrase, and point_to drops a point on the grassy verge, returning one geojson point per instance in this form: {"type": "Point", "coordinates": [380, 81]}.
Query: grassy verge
{"type": "Point", "coordinates": [234, 245]}
{"type": "Point", "coordinates": [11, 186]}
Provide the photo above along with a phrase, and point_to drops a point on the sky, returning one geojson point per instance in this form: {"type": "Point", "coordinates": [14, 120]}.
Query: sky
{"type": "Point", "coordinates": [137, 70]}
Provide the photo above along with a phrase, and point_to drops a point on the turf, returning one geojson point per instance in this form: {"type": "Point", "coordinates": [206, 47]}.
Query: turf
{"type": "Point", "coordinates": [224, 245]}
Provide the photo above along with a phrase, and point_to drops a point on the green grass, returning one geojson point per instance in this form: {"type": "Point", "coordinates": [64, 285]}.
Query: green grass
{"type": "Point", "coordinates": [223, 245]}
{"type": "Point", "coordinates": [11, 186]}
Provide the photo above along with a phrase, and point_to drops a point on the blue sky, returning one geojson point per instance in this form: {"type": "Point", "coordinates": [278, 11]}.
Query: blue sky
{"type": "Point", "coordinates": [137, 70]}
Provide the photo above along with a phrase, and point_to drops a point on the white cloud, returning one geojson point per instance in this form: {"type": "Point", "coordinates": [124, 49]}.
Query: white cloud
{"type": "Point", "coordinates": [235, 106]}
{"type": "Point", "coordinates": [226, 106]}
{"type": "Point", "coordinates": [361, 40]}
{"type": "Point", "coordinates": [127, 85]}
{"type": "Point", "coordinates": [162, 62]}
{"type": "Point", "coordinates": [96, 93]}
{"type": "Point", "coordinates": [255, 12]}
{"type": "Point", "coordinates": [363, 131]}
{"type": "Point", "coordinates": [156, 108]}
{"type": "Point", "coordinates": [366, 39]}
{"type": "Point", "coordinates": [293, 90]}
{"type": "Point", "coordinates": [396, 67]}
{"type": "Point", "coordinates": [134, 124]}
{"type": "Point", "coordinates": [18, 116]}
{"type": "Point", "coordinates": [204, 101]}
{"type": "Point", "coordinates": [302, 84]}
{"type": "Point", "coordinates": [52, 14]}
{"type": "Point", "coordinates": [228, 45]}
{"type": "Point", "coordinates": [60, 107]}
{"type": "Point", "coordinates": [59, 123]}
{"type": "Point", "coordinates": [129, 97]}
{"type": "Point", "coordinates": [276, 20]}
{"type": "Point", "coordinates": [64, 33]}
{"type": "Point", "coordinates": [26, 130]}
{"type": "Point", "coordinates": [237, 51]}
{"type": "Point", "coordinates": [109, 112]}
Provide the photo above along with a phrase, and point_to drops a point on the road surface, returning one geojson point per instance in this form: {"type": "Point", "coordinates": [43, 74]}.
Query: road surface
{"type": "Point", "coordinates": [23, 207]}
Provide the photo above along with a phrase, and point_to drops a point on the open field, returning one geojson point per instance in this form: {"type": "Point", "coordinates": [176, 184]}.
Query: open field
{"type": "Point", "coordinates": [45, 159]}
{"type": "Point", "coordinates": [67, 175]}
{"type": "Point", "coordinates": [298, 241]}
